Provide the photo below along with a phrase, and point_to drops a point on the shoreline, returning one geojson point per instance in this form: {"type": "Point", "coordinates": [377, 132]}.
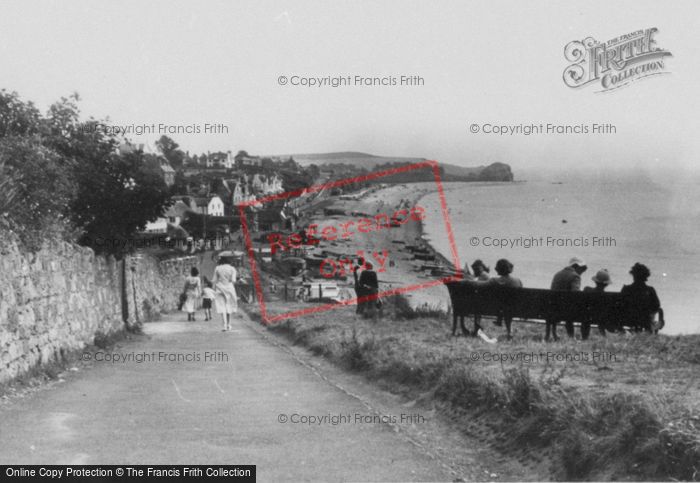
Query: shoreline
{"type": "Point", "coordinates": [403, 267]}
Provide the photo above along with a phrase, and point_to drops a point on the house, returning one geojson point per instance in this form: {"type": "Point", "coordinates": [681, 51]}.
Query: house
{"type": "Point", "coordinates": [212, 206]}
{"type": "Point", "coordinates": [215, 206]}
{"type": "Point", "coordinates": [220, 160]}
{"type": "Point", "coordinates": [243, 159]}
{"type": "Point", "coordinates": [266, 184]}
{"type": "Point", "coordinates": [168, 173]}
{"type": "Point", "coordinates": [272, 217]}
{"type": "Point", "coordinates": [176, 212]}
{"type": "Point", "coordinates": [188, 201]}
{"type": "Point", "coordinates": [160, 225]}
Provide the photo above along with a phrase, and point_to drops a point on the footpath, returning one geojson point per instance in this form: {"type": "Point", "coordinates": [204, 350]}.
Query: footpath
{"type": "Point", "coordinates": [230, 401]}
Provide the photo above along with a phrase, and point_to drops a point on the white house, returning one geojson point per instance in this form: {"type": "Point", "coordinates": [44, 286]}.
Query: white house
{"type": "Point", "coordinates": [266, 185]}
{"type": "Point", "coordinates": [215, 207]}
{"type": "Point", "coordinates": [158, 226]}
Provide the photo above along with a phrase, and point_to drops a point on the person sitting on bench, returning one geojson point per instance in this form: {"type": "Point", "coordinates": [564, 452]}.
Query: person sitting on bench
{"type": "Point", "coordinates": [641, 300]}
{"type": "Point", "coordinates": [602, 280]}
{"type": "Point", "coordinates": [568, 279]}
{"type": "Point", "coordinates": [481, 271]}
{"type": "Point", "coordinates": [504, 269]}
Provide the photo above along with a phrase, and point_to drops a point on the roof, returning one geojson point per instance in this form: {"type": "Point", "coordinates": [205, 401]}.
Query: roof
{"type": "Point", "coordinates": [270, 215]}
{"type": "Point", "coordinates": [177, 209]}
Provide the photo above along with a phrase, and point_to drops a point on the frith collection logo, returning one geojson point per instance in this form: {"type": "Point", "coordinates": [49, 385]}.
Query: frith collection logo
{"type": "Point", "coordinates": [615, 63]}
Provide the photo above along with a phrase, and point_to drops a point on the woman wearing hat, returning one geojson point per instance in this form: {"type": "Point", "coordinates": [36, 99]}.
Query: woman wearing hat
{"type": "Point", "coordinates": [641, 300]}
{"type": "Point", "coordinates": [223, 280]}
{"type": "Point", "coordinates": [601, 280]}
{"type": "Point", "coordinates": [504, 269]}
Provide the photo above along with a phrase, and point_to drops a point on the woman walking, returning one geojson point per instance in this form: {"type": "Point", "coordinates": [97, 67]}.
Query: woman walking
{"type": "Point", "coordinates": [192, 291]}
{"type": "Point", "coordinates": [226, 300]}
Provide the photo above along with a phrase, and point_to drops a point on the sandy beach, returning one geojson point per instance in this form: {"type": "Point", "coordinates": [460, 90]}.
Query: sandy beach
{"type": "Point", "coordinates": [401, 267]}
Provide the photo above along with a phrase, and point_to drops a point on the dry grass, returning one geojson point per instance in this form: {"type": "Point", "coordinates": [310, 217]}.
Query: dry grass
{"type": "Point", "coordinates": [631, 414]}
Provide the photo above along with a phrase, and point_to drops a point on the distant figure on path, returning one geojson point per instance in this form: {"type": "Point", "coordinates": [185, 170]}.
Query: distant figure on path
{"type": "Point", "coordinates": [369, 285]}
{"type": "Point", "coordinates": [225, 291]}
{"type": "Point", "coordinates": [504, 269]}
{"type": "Point", "coordinates": [208, 296]}
{"type": "Point", "coordinates": [569, 280]}
{"type": "Point", "coordinates": [642, 302]}
{"type": "Point", "coordinates": [601, 280]}
{"type": "Point", "coordinates": [192, 290]}
{"type": "Point", "coordinates": [359, 292]}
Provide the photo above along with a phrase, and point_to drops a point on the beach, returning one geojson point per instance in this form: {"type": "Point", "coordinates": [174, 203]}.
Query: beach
{"type": "Point", "coordinates": [402, 267]}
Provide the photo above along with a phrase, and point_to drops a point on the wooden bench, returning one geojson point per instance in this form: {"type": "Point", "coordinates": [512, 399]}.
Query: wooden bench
{"type": "Point", "coordinates": [610, 311]}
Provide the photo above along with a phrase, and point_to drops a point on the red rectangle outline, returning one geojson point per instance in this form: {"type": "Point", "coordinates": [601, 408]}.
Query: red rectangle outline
{"type": "Point", "coordinates": [333, 184]}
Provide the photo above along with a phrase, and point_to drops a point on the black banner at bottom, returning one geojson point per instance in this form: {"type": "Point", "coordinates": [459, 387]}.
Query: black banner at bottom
{"type": "Point", "coordinates": [243, 473]}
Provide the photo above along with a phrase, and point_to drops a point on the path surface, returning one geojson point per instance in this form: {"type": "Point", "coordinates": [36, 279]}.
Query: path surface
{"type": "Point", "coordinates": [207, 412]}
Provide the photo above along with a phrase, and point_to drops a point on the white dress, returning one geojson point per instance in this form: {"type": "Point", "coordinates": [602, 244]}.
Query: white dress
{"type": "Point", "coordinates": [224, 279]}
{"type": "Point", "coordinates": [192, 291]}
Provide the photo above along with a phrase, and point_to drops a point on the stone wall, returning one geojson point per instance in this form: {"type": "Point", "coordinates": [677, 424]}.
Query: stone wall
{"type": "Point", "coordinates": [154, 286]}
{"type": "Point", "coordinates": [52, 302]}
{"type": "Point", "coordinates": [59, 299]}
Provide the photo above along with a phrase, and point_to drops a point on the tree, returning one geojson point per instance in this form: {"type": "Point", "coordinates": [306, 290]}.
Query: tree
{"type": "Point", "coordinates": [17, 118]}
{"type": "Point", "coordinates": [170, 149]}
{"type": "Point", "coordinates": [116, 198]}
{"type": "Point", "coordinates": [67, 176]}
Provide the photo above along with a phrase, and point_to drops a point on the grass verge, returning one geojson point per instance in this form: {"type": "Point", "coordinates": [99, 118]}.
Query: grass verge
{"type": "Point", "coordinates": [611, 408]}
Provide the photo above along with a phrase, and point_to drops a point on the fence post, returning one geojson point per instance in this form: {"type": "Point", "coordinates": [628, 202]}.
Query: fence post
{"type": "Point", "coordinates": [320, 291]}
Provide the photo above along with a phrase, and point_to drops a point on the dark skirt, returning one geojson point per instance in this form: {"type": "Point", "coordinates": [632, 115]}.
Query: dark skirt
{"type": "Point", "coordinates": [206, 303]}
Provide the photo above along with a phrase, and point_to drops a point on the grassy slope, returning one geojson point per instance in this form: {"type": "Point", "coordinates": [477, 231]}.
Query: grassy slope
{"type": "Point", "coordinates": [633, 417]}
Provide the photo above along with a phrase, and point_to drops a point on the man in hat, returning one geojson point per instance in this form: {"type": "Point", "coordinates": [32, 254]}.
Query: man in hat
{"type": "Point", "coordinates": [601, 280]}
{"type": "Point", "coordinates": [567, 279]}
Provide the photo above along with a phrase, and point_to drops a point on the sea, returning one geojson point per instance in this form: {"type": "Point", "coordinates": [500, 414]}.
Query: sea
{"type": "Point", "coordinates": [611, 223]}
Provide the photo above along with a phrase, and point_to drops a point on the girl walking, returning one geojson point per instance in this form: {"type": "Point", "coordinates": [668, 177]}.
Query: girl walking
{"type": "Point", "coordinates": [208, 296]}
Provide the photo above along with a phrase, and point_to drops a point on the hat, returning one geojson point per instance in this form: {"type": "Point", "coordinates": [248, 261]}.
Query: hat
{"type": "Point", "coordinates": [640, 270]}
{"type": "Point", "coordinates": [226, 254]}
{"type": "Point", "coordinates": [577, 261]}
{"type": "Point", "coordinates": [602, 276]}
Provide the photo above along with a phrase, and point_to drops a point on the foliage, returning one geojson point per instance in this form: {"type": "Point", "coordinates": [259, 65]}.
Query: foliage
{"type": "Point", "coordinates": [59, 175]}
{"type": "Point", "coordinates": [172, 152]}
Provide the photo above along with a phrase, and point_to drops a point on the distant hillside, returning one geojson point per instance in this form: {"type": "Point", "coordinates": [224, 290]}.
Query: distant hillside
{"type": "Point", "coordinates": [493, 172]}
{"type": "Point", "coordinates": [361, 160]}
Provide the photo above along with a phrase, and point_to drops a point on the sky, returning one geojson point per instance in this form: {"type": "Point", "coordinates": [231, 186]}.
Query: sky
{"type": "Point", "coordinates": [487, 62]}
